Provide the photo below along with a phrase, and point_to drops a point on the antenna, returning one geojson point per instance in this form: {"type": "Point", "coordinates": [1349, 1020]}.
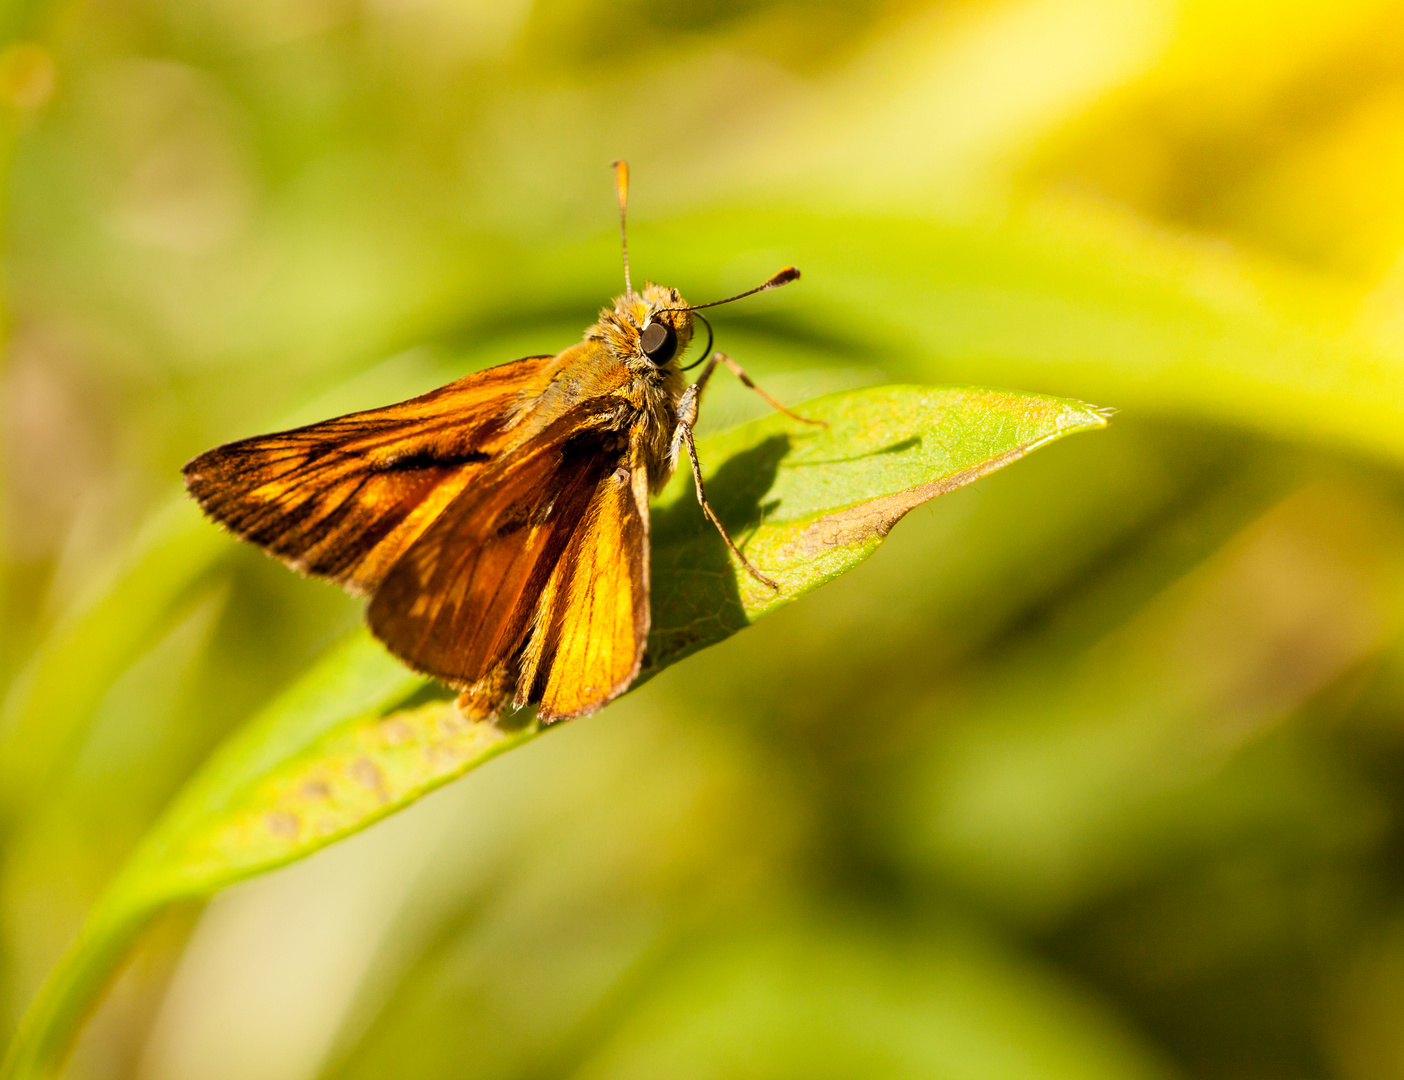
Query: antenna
{"type": "Point", "coordinates": [784, 277]}
{"type": "Point", "coordinates": [621, 181]}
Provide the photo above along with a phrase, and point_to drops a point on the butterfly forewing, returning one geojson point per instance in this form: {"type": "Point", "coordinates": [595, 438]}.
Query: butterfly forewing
{"type": "Point", "coordinates": [345, 498]}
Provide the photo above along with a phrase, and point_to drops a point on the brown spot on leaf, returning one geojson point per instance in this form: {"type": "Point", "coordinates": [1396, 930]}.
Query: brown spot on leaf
{"type": "Point", "coordinates": [283, 824]}
{"type": "Point", "coordinates": [442, 757]}
{"type": "Point", "coordinates": [367, 772]}
{"type": "Point", "coordinates": [396, 731]}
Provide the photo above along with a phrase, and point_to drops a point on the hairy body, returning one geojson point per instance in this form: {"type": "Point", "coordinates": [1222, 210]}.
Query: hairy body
{"type": "Point", "coordinates": [609, 372]}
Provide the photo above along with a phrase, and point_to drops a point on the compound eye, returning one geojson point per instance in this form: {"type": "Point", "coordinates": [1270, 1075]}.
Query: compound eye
{"type": "Point", "coordinates": [659, 341]}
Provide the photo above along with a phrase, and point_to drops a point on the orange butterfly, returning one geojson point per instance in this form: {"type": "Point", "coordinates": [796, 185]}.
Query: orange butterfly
{"type": "Point", "coordinates": [500, 523]}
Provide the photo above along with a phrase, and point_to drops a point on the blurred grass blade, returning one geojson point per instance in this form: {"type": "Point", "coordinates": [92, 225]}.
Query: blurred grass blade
{"type": "Point", "coordinates": [55, 694]}
{"type": "Point", "coordinates": [353, 679]}
{"type": "Point", "coordinates": [346, 745]}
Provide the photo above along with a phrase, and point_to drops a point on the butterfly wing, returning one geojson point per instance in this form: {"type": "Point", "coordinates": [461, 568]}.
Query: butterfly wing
{"type": "Point", "coordinates": [497, 554]}
{"type": "Point", "coordinates": [592, 623]}
{"type": "Point", "coordinates": [343, 499]}
{"type": "Point", "coordinates": [461, 601]}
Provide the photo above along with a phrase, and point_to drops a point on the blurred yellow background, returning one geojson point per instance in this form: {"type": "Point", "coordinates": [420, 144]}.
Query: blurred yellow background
{"type": "Point", "coordinates": [1096, 770]}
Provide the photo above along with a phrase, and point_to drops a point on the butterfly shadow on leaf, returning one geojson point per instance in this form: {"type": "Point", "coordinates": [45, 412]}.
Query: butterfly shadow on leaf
{"type": "Point", "coordinates": [695, 599]}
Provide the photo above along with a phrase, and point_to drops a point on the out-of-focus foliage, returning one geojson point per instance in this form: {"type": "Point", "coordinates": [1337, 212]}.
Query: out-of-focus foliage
{"type": "Point", "coordinates": [1096, 769]}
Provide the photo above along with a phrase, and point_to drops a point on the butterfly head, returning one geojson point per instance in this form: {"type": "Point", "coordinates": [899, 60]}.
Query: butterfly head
{"type": "Point", "coordinates": [646, 330]}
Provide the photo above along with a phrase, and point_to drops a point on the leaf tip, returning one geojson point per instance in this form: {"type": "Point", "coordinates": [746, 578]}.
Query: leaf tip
{"type": "Point", "coordinates": [1084, 414]}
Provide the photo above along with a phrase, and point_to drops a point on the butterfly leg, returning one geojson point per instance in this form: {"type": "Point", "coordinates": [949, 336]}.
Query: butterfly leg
{"type": "Point", "coordinates": [740, 373]}
{"type": "Point", "coordinates": [685, 433]}
{"type": "Point", "coordinates": [687, 417]}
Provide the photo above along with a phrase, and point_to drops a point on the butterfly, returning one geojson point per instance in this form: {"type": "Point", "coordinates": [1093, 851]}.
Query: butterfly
{"type": "Point", "coordinates": [499, 524]}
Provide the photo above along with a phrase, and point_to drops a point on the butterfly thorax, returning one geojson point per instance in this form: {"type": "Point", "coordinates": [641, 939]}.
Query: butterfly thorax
{"type": "Point", "coordinates": [612, 376]}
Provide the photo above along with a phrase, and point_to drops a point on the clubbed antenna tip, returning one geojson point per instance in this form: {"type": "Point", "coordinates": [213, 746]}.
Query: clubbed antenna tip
{"type": "Point", "coordinates": [784, 277]}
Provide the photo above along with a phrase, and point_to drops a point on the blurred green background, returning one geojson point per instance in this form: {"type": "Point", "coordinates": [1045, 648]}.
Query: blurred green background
{"type": "Point", "coordinates": [1095, 770]}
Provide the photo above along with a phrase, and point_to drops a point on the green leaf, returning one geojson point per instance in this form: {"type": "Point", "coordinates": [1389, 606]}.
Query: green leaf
{"type": "Point", "coordinates": [812, 503]}
{"type": "Point", "coordinates": [360, 737]}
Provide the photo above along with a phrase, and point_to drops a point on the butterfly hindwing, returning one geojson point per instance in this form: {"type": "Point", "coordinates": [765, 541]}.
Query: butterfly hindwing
{"type": "Point", "coordinates": [461, 601]}
{"type": "Point", "coordinates": [593, 622]}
